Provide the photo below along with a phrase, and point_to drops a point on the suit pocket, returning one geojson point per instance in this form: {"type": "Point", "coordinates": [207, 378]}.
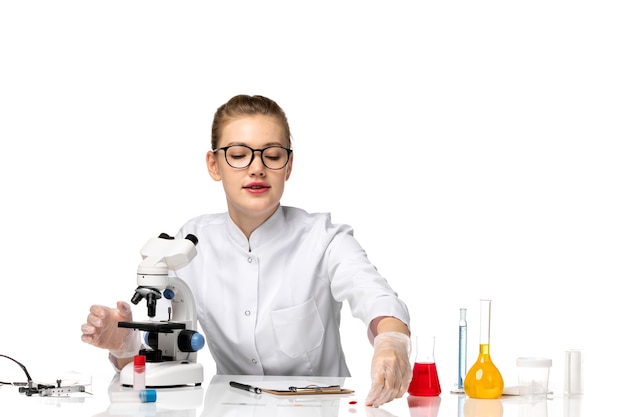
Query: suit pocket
{"type": "Point", "coordinates": [298, 329]}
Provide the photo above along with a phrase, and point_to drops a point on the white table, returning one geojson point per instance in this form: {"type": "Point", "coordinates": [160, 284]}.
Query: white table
{"type": "Point", "coordinates": [215, 398]}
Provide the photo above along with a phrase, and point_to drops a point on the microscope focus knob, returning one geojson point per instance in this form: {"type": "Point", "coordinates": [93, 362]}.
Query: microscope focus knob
{"type": "Point", "coordinates": [190, 341]}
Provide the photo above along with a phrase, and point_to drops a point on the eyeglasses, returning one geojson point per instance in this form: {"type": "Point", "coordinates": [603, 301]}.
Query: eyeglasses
{"type": "Point", "coordinates": [241, 156]}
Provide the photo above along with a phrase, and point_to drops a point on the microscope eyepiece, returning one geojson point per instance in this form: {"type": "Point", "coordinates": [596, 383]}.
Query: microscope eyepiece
{"type": "Point", "coordinates": [192, 238]}
{"type": "Point", "coordinates": [189, 237]}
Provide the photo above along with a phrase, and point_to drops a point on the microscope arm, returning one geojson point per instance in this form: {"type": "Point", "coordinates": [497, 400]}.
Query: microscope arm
{"type": "Point", "coordinates": [183, 303]}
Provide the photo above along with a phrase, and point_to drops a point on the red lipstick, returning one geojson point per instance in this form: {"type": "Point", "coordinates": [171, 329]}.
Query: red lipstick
{"type": "Point", "coordinates": [256, 187]}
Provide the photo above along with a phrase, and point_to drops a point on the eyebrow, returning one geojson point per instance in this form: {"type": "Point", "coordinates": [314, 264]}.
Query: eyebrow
{"type": "Point", "coordinates": [265, 145]}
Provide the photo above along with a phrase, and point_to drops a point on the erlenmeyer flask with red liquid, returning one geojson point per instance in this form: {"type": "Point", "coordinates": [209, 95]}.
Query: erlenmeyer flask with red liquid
{"type": "Point", "coordinates": [425, 382]}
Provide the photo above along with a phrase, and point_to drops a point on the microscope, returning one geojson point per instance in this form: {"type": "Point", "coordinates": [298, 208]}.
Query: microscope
{"type": "Point", "coordinates": [172, 344]}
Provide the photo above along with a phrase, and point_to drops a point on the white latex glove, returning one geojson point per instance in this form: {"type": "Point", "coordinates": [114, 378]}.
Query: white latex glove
{"type": "Point", "coordinates": [101, 330]}
{"type": "Point", "coordinates": [391, 368]}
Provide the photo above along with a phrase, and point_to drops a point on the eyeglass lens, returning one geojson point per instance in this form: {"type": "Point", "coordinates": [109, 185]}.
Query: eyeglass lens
{"type": "Point", "coordinates": [273, 157]}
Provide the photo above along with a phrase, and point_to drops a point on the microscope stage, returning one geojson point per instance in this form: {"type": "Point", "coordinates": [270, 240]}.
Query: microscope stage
{"type": "Point", "coordinates": [152, 326]}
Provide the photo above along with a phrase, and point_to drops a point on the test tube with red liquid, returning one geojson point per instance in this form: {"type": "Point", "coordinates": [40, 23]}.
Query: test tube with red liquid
{"type": "Point", "coordinates": [139, 372]}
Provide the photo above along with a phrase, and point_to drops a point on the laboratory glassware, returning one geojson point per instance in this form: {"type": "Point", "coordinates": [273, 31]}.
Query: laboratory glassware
{"type": "Point", "coordinates": [134, 396]}
{"type": "Point", "coordinates": [462, 347]}
{"type": "Point", "coordinates": [533, 375]}
{"type": "Point", "coordinates": [573, 383]}
{"type": "Point", "coordinates": [139, 372]}
{"type": "Point", "coordinates": [483, 380]}
{"type": "Point", "coordinates": [425, 381]}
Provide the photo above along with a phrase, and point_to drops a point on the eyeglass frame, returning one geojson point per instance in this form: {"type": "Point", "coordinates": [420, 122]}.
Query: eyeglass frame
{"type": "Point", "coordinates": [225, 149]}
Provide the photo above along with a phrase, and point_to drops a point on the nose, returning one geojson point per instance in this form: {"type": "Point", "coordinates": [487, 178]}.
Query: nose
{"type": "Point", "coordinates": [256, 166]}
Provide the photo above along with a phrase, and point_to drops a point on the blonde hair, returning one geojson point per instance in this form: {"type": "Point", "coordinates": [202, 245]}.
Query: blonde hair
{"type": "Point", "coordinates": [245, 105]}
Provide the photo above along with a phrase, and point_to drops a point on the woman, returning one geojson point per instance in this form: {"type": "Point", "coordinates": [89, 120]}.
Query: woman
{"type": "Point", "coordinates": [269, 280]}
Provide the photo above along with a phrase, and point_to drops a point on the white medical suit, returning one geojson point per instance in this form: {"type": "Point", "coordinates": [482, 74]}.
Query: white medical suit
{"type": "Point", "coordinates": [271, 305]}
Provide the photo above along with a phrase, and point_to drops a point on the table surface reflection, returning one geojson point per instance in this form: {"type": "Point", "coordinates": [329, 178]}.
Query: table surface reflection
{"type": "Point", "coordinates": [218, 398]}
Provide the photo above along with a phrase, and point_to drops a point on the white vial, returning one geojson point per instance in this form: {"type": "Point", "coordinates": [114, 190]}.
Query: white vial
{"type": "Point", "coordinates": [573, 381]}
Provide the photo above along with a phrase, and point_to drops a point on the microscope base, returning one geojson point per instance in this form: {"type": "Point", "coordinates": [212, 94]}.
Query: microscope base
{"type": "Point", "coordinates": [166, 374]}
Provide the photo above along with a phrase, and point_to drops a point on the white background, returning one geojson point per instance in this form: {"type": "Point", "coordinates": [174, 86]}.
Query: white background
{"type": "Point", "coordinates": [477, 148]}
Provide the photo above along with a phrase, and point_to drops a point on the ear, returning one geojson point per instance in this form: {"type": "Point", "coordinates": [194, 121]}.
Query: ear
{"type": "Point", "coordinates": [289, 167]}
{"type": "Point", "coordinates": [212, 165]}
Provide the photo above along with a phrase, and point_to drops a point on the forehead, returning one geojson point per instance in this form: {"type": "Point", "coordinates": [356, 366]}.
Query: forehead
{"type": "Point", "coordinates": [255, 130]}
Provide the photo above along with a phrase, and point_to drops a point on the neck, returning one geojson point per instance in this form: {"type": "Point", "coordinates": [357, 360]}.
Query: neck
{"type": "Point", "coordinates": [248, 224]}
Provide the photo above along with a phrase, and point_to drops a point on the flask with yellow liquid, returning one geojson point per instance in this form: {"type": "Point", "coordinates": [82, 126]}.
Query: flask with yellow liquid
{"type": "Point", "coordinates": [484, 380]}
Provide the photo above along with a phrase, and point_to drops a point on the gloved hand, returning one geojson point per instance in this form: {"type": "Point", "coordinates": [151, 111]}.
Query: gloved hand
{"type": "Point", "coordinates": [101, 330]}
{"type": "Point", "coordinates": [391, 368]}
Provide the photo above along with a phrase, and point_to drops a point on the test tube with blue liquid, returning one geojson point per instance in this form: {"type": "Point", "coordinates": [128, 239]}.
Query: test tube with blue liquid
{"type": "Point", "coordinates": [462, 348]}
{"type": "Point", "coordinates": [133, 396]}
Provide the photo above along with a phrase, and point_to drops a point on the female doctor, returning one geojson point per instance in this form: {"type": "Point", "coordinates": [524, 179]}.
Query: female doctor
{"type": "Point", "coordinates": [269, 280]}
